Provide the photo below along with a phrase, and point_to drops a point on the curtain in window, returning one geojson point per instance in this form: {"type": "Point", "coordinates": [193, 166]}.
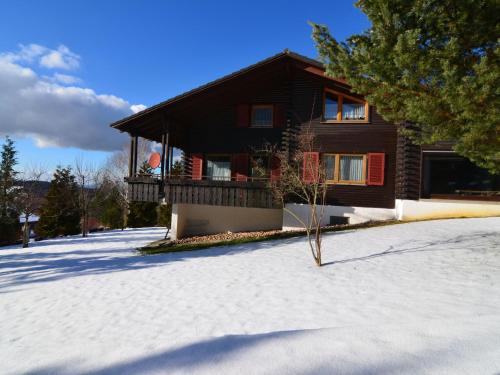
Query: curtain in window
{"type": "Point", "coordinates": [262, 116]}
{"type": "Point", "coordinates": [330, 167]}
{"type": "Point", "coordinates": [351, 168]}
{"type": "Point", "coordinates": [331, 107]}
{"type": "Point", "coordinates": [219, 170]}
{"type": "Point", "coordinates": [353, 111]}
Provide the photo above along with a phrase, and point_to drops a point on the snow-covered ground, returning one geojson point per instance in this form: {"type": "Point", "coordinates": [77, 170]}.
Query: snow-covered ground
{"type": "Point", "coordinates": [410, 298]}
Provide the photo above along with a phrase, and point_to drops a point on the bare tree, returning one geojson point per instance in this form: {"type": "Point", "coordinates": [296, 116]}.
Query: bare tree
{"type": "Point", "coordinates": [88, 178]}
{"type": "Point", "coordinates": [30, 197]}
{"type": "Point", "coordinates": [116, 168]}
{"type": "Point", "coordinates": [303, 180]}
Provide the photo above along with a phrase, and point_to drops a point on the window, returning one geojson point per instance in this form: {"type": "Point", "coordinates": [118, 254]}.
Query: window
{"type": "Point", "coordinates": [352, 168]}
{"type": "Point", "coordinates": [262, 116]}
{"type": "Point", "coordinates": [260, 166]}
{"type": "Point", "coordinates": [339, 107]}
{"type": "Point", "coordinates": [329, 161]}
{"type": "Point", "coordinates": [345, 168]}
{"type": "Point", "coordinates": [331, 107]}
{"type": "Point", "coordinates": [219, 167]}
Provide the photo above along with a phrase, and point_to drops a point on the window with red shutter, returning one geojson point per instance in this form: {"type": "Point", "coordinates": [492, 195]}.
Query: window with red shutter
{"type": "Point", "coordinates": [242, 116]}
{"type": "Point", "coordinates": [310, 167]}
{"type": "Point", "coordinates": [279, 116]}
{"type": "Point", "coordinates": [239, 167]}
{"type": "Point", "coordinates": [196, 166]}
{"type": "Point", "coordinates": [275, 168]}
{"type": "Point", "coordinates": [376, 168]}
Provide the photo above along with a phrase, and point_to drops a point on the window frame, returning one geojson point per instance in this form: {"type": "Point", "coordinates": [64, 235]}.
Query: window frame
{"type": "Point", "coordinates": [336, 175]}
{"type": "Point", "coordinates": [340, 99]}
{"type": "Point", "coordinates": [261, 106]}
{"type": "Point", "coordinates": [268, 166]}
{"type": "Point", "coordinates": [205, 166]}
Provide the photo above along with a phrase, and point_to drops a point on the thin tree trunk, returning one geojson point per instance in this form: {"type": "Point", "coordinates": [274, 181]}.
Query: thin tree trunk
{"type": "Point", "coordinates": [26, 232]}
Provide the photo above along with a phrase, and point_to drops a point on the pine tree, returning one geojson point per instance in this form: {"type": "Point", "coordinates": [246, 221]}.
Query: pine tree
{"type": "Point", "coordinates": [9, 215]}
{"type": "Point", "coordinates": [435, 64]}
{"type": "Point", "coordinates": [111, 212]}
{"type": "Point", "coordinates": [60, 214]}
{"type": "Point", "coordinates": [143, 214]}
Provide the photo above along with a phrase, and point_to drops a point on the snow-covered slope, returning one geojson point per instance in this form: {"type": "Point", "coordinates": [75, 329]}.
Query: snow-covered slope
{"type": "Point", "coordinates": [410, 298]}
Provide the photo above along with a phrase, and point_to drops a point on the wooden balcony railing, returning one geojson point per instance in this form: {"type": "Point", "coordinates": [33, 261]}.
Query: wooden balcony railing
{"type": "Point", "coordinates": [208, 190]}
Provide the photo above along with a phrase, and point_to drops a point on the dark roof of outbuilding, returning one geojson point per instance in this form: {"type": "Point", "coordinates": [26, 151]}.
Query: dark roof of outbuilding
{"type": "Point", "coordinates": [281, 55]}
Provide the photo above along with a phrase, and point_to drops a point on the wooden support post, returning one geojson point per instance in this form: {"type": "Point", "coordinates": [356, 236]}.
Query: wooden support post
{"type": "Point", "coordinates": [171, 159]}
{"type": "Point", "coordinates": [134, 153]}
{"type": "Point", "coordinates": [167, 146]}
{"type": "Point", "coordinates": [163, 145]}
{"type": "Point", "coordinates": [131, 158]}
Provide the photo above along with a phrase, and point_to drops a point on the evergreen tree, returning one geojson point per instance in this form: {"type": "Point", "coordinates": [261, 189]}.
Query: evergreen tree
{"type": "Point", "coordinates": [142, 214]}
{"type": "Point", "coordinates": [60, 214]}
{"type": "Point", "coordinates": [111, 212]}
{"type": "Point", "coordinates": [164, 215]}
{"type": "Point", "coordinates": [435, 64]}
{"type": "Point", "coordinates": [9, 215]}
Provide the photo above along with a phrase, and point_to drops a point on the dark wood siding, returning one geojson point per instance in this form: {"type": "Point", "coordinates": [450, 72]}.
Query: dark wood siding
{"type": "Point", "coordinates": [211, 122]}
{"type": "Point", "coordinates": [375, 136]}
{"type": "Point", "coordinates": [408, 169]}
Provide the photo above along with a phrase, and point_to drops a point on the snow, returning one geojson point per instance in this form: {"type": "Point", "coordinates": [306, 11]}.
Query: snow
{"type": "Point", "coordinates": [31, 219]}
{"type": "Point", "coordinates": [411, 298]}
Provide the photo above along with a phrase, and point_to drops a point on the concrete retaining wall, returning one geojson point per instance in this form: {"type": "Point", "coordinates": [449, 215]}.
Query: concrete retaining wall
{"type": "Point", "coordinates": [439, 209]}
{"type": "Point", "coordinates": [196, 219]}
{"type": "Point", "coordinates": [356, 215]}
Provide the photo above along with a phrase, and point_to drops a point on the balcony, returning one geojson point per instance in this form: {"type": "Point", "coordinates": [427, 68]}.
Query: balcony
{"type": "Point", "coordinates": [208, 191]}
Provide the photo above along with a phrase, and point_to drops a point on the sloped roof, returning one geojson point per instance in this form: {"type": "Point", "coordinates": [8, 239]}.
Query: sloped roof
{"type": "Point", "coordinates": [285, 54]}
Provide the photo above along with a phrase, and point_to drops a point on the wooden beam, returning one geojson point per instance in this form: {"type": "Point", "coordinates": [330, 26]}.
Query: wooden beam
{"type": "Point", "coordinates": [134, 154]}
{"type": "Point", "coordinates": [171, 159]}
{"type": "Point", "coordinates": [163, 141]}
{"type": "Point", "coordinates": [131, 158]}
{"type": "Point", "coordinates": [165, 145]}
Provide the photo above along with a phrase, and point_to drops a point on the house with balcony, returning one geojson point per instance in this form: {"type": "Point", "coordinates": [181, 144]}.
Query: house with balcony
{"type": "Point", "coordinates": [222, 127]}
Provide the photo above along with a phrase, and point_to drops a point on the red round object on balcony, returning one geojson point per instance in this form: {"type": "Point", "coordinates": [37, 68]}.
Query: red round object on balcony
{"type": "Point", "coordinates": [154, 160]}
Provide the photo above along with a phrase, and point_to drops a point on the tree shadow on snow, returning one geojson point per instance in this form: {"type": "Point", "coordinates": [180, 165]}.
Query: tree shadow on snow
{"type": "Point", "coordinates": [32, 266]}
{"type": "Point", "coordinates": [476, 241]}
{"type": "Point", "coordinates": [290, 352]}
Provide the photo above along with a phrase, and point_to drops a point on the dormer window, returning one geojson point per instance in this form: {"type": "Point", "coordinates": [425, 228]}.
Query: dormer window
{"type": "Point", "coordinates": [343, 108]}
{"type": "Point", "coordinates": [262, 116]}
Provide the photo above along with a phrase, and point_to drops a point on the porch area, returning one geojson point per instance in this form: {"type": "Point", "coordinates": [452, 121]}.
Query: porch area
{"type": "Point", "coordinates": [184, 190]}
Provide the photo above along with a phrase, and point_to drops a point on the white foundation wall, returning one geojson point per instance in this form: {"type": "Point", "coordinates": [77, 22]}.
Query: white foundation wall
{"type": "Point", "coordinates": [439, 209]}
{"type": "Point", "coordinates": [197, 219]}
{"type": "Point", "coordinates": [356, 215]}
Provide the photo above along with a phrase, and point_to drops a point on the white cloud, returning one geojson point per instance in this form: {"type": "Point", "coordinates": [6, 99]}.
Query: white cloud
{"type": "Point", "coordinates": [53, 114]}
{"type": "Point", "coordinates": [62, 58]}
{"type": "Point", "coordinates": [138, 107]}
{"type": "Point", "coordinates": [65, 79]}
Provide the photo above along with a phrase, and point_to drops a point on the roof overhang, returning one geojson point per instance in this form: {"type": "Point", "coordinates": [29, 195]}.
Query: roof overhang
{"type": "Point", "coordinates": [159, 114]}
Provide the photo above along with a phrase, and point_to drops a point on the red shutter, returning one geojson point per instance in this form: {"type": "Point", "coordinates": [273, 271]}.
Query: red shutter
{"type": "Point", "coordinates": [310, 167]}
{"type": "Point", "coordinates": [279, 116]}
{"type": "Point", "coordinates": [376, 167]}
{"type": "Point", "coordinates": [242, 116]}
{"type": "Point", "coordinates": [239, 167]}
{"type": "Point", "coordinates": [196, 166]}
{"type": "Point", "coordinates": [275, 168]}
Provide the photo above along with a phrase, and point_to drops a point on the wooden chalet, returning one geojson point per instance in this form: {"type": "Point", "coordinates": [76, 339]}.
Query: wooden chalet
{"type": "Point", "coordinates": [220, 128]}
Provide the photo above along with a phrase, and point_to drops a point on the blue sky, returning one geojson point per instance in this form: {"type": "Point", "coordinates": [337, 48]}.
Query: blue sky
{"type": "Point", "coordinates": [140, 52]}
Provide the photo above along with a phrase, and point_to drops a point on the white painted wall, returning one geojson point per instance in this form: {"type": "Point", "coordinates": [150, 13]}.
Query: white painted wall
{"type": "Point", "coordinates": [356, 215]}
{"type": "Point", "coordinates": [198, 219]}
{"type": "Point", "coordinates": [436, 209]}
{"type": "Point", "coordinates": [193, 219]}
